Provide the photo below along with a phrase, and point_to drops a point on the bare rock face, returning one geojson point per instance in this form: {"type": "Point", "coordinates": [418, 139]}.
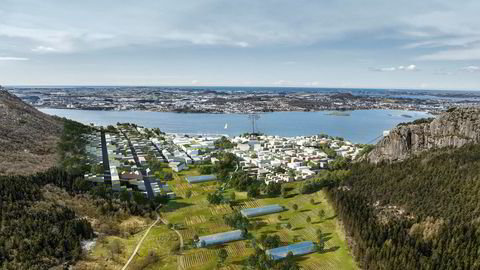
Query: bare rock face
{"type": "Point", "coordinates": [455, 128]}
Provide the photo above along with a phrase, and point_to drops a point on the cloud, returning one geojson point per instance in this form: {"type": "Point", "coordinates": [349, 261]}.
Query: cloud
{"type": "Point", "coordinates": [283, 82]}
{"type": "Point", "coordinates": [314, 83]}
{"type": "Point", "coordinates": [453, 55]}
{"type": "Point", "coordinates": [248, 23]}
{"type": "Point", "coordinates": [45, 49]}
{"type": "Point", "coordinates": [12, 58]}
{"type": "Point", "coordinates": [470, 69]}
{"type": "Point", "coordinates": [399, 68]}
{"type": "Point", "coordinates": [53, 40]}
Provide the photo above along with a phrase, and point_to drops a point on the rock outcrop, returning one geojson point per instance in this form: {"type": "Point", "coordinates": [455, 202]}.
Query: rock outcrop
{"type": "Point", "coordinates": [456, 127]}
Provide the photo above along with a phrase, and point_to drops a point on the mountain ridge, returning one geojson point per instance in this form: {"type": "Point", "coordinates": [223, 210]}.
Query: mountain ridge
{"type": "Point", "coordinates": [454, 128]}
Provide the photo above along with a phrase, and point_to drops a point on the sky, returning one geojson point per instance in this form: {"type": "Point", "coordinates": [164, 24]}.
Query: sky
{"type": "Point", "coordinates": [428, 44]}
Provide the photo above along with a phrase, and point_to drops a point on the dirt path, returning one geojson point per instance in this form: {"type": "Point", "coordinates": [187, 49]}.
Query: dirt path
{"type": "Point", "coordinates": [164, 221]}
{"type": "Point", "coordinates": [141, 240]}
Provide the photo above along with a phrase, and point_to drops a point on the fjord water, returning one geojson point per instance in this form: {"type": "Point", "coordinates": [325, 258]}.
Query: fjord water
{"type": "Point", "coordinates": [360, 126]}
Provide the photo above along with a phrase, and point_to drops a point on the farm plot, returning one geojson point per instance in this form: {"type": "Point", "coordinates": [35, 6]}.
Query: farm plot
{"type": "Point", "coordinates": [219, 225]}
{"type": "Point", "coordinates": [232, 267]}
{"type": "Point", "coordinates": [322, 263]}
{"type": "Point", "coordinates": [190, 260]}
{"type": "Point", "coordinates": [284, 235]}
{"type": "Point", "coordinates": [195, 220]}
{"type": "Point", "coordinates": [300, 219]}
{"type": "Point", "coordinates": [238, 248]}
{"type": "Point", "coordinates": [220, 209]}
{"type": "Point", "coordinates": [187, 233]}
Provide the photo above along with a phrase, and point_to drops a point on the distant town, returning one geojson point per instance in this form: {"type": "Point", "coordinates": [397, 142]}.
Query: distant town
{"type": "Point", "coordinates": [240, 100]}
{"type": "Point", "coordinates": [130, 158]}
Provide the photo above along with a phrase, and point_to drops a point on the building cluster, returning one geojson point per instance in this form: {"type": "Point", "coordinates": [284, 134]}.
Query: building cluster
{"type": "Point", "coordinates": [131, 158]}
{"type": "Point", "coordinates": [165, 99]}
{"type": "Point", "coordinates": [282, 159]}
{"type": "Point", "coordinates": [180, 150]}
{"type": "Point", "coordinates": [128, 157]}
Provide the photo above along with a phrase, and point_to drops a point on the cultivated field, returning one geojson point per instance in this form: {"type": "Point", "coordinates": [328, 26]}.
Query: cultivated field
{"type": "Point", "coordinates": [195, 216]}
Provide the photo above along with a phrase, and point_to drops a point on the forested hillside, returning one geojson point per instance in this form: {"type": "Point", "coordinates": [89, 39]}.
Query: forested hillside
{"type": "Point", "coordinates": [421, 213]}
{"type": "Point", "coordinates": [36, 234]}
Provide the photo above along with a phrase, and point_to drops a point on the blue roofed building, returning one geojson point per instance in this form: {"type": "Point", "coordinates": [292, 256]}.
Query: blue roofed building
{"type": "Point", "coordinates": [260, 211]}
{"type": "Point", "coordinates": [220, 238]}
{"type": "Point", "coordinates": [301, 248]}
{"type": "Point", "coordinates": [201, 178]}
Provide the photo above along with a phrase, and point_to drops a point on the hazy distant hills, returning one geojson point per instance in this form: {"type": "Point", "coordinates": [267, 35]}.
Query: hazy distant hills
{"type": "Point", "coordinates": [456, 127]}
{"type": "Point", "coordinates": [28, 137]}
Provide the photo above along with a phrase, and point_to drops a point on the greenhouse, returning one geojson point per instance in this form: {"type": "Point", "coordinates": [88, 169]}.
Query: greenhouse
{"type": "Point", "coordinates": [260, 211]}
{"type": "Point", "coordinates": [201, 178]}
{"type": "Point", "coordinates": [297, 249]}
{"type": "Point", "coordinates": [220, 238]}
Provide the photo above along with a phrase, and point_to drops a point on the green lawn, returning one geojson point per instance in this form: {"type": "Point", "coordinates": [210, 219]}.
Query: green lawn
{"type": "Point", "coordinates": [196, 216]}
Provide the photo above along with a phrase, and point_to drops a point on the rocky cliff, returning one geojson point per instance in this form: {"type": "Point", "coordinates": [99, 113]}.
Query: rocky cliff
{"type": "Point", "coordinates": [455, 128]}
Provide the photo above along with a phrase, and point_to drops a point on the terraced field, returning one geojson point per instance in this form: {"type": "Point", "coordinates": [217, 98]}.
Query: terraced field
{"type": "Point", "coordinates": [194, 216]}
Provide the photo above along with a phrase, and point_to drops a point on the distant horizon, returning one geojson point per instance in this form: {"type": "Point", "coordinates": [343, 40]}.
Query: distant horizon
{"type": "Point", "coordinates": [234, 86]}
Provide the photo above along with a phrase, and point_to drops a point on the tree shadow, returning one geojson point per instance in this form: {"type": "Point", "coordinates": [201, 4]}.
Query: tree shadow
{"type": "Point", "coordinates": [326, 238]}
{"type": "Point", "coordinates": [332, 249]}
{"type": "Point", "coordinates": [268, 232]}
{"type": "Point", "coordinates": [326, 234]}
{"type": "Point", "coordinates": [291, 195]}
{"type": "Point", "coordinates": [260, 224]}
{"type": "Point", "coordinates": [330, 218]}
{"type": "Point", "coordinates": [305, 210]}
{"type": "Point", "coordinates": [174, 205]}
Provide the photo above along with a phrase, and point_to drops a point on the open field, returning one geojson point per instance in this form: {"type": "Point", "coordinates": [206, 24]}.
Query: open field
{"type": "Point", "coordinates": [195, 216]}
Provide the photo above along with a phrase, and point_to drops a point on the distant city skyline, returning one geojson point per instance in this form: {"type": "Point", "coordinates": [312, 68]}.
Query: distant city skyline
{"type": "Point", "coordinates": [430, 44]}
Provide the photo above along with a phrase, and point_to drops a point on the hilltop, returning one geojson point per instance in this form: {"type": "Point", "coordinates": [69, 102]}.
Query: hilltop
{"type": "Point", "coordinates": [28, 137]}
{"type": "Point", "coordinates": [456, 127]}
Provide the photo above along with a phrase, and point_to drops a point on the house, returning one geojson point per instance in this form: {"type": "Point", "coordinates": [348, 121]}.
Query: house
{"type": "Point", "coordinates": [178, 166]}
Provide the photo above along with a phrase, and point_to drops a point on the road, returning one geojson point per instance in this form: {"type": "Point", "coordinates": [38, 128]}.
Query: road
{"type": "Point", "coordinates": [146, 179]}
{"type": "Point", "coordinates": [106, 163]}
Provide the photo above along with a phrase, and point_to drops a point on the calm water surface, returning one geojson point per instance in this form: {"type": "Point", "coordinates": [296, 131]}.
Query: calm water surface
{"type": "Point", "coordinates": [360, 126]}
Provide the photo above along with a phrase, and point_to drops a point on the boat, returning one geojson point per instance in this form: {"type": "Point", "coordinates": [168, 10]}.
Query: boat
{"type": "Point", "coordinates": [226, 125]}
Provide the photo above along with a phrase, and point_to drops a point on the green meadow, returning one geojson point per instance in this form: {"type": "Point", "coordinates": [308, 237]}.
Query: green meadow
{"type": "Point", "coordinates": [195, 216]}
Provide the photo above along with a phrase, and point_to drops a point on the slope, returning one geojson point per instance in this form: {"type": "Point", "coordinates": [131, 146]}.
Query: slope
{"type": "Point", "coordinates": [28, 137]}
{"type": "Point", "coordinates": [422, 211]}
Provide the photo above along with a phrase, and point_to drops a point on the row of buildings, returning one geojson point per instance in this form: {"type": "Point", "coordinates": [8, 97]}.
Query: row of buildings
{"type": "Point", "coordinates": [128, 157]}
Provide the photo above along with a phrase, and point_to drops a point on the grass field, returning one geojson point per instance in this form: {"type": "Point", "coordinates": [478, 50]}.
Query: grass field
{"type": "Point", "coordinates": [195, 216]}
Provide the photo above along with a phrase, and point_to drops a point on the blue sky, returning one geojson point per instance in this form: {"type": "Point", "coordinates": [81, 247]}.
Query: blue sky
{"type": "Point", "coordinates": [431, 44]}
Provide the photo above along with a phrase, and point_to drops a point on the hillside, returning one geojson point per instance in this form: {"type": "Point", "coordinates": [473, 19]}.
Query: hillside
{"type": "Point", "coordinates": [28, 137]}
{"type": "Point", "coordinates": [456, 127]}
{"type": "Point", "coordinates": [422, 211]}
